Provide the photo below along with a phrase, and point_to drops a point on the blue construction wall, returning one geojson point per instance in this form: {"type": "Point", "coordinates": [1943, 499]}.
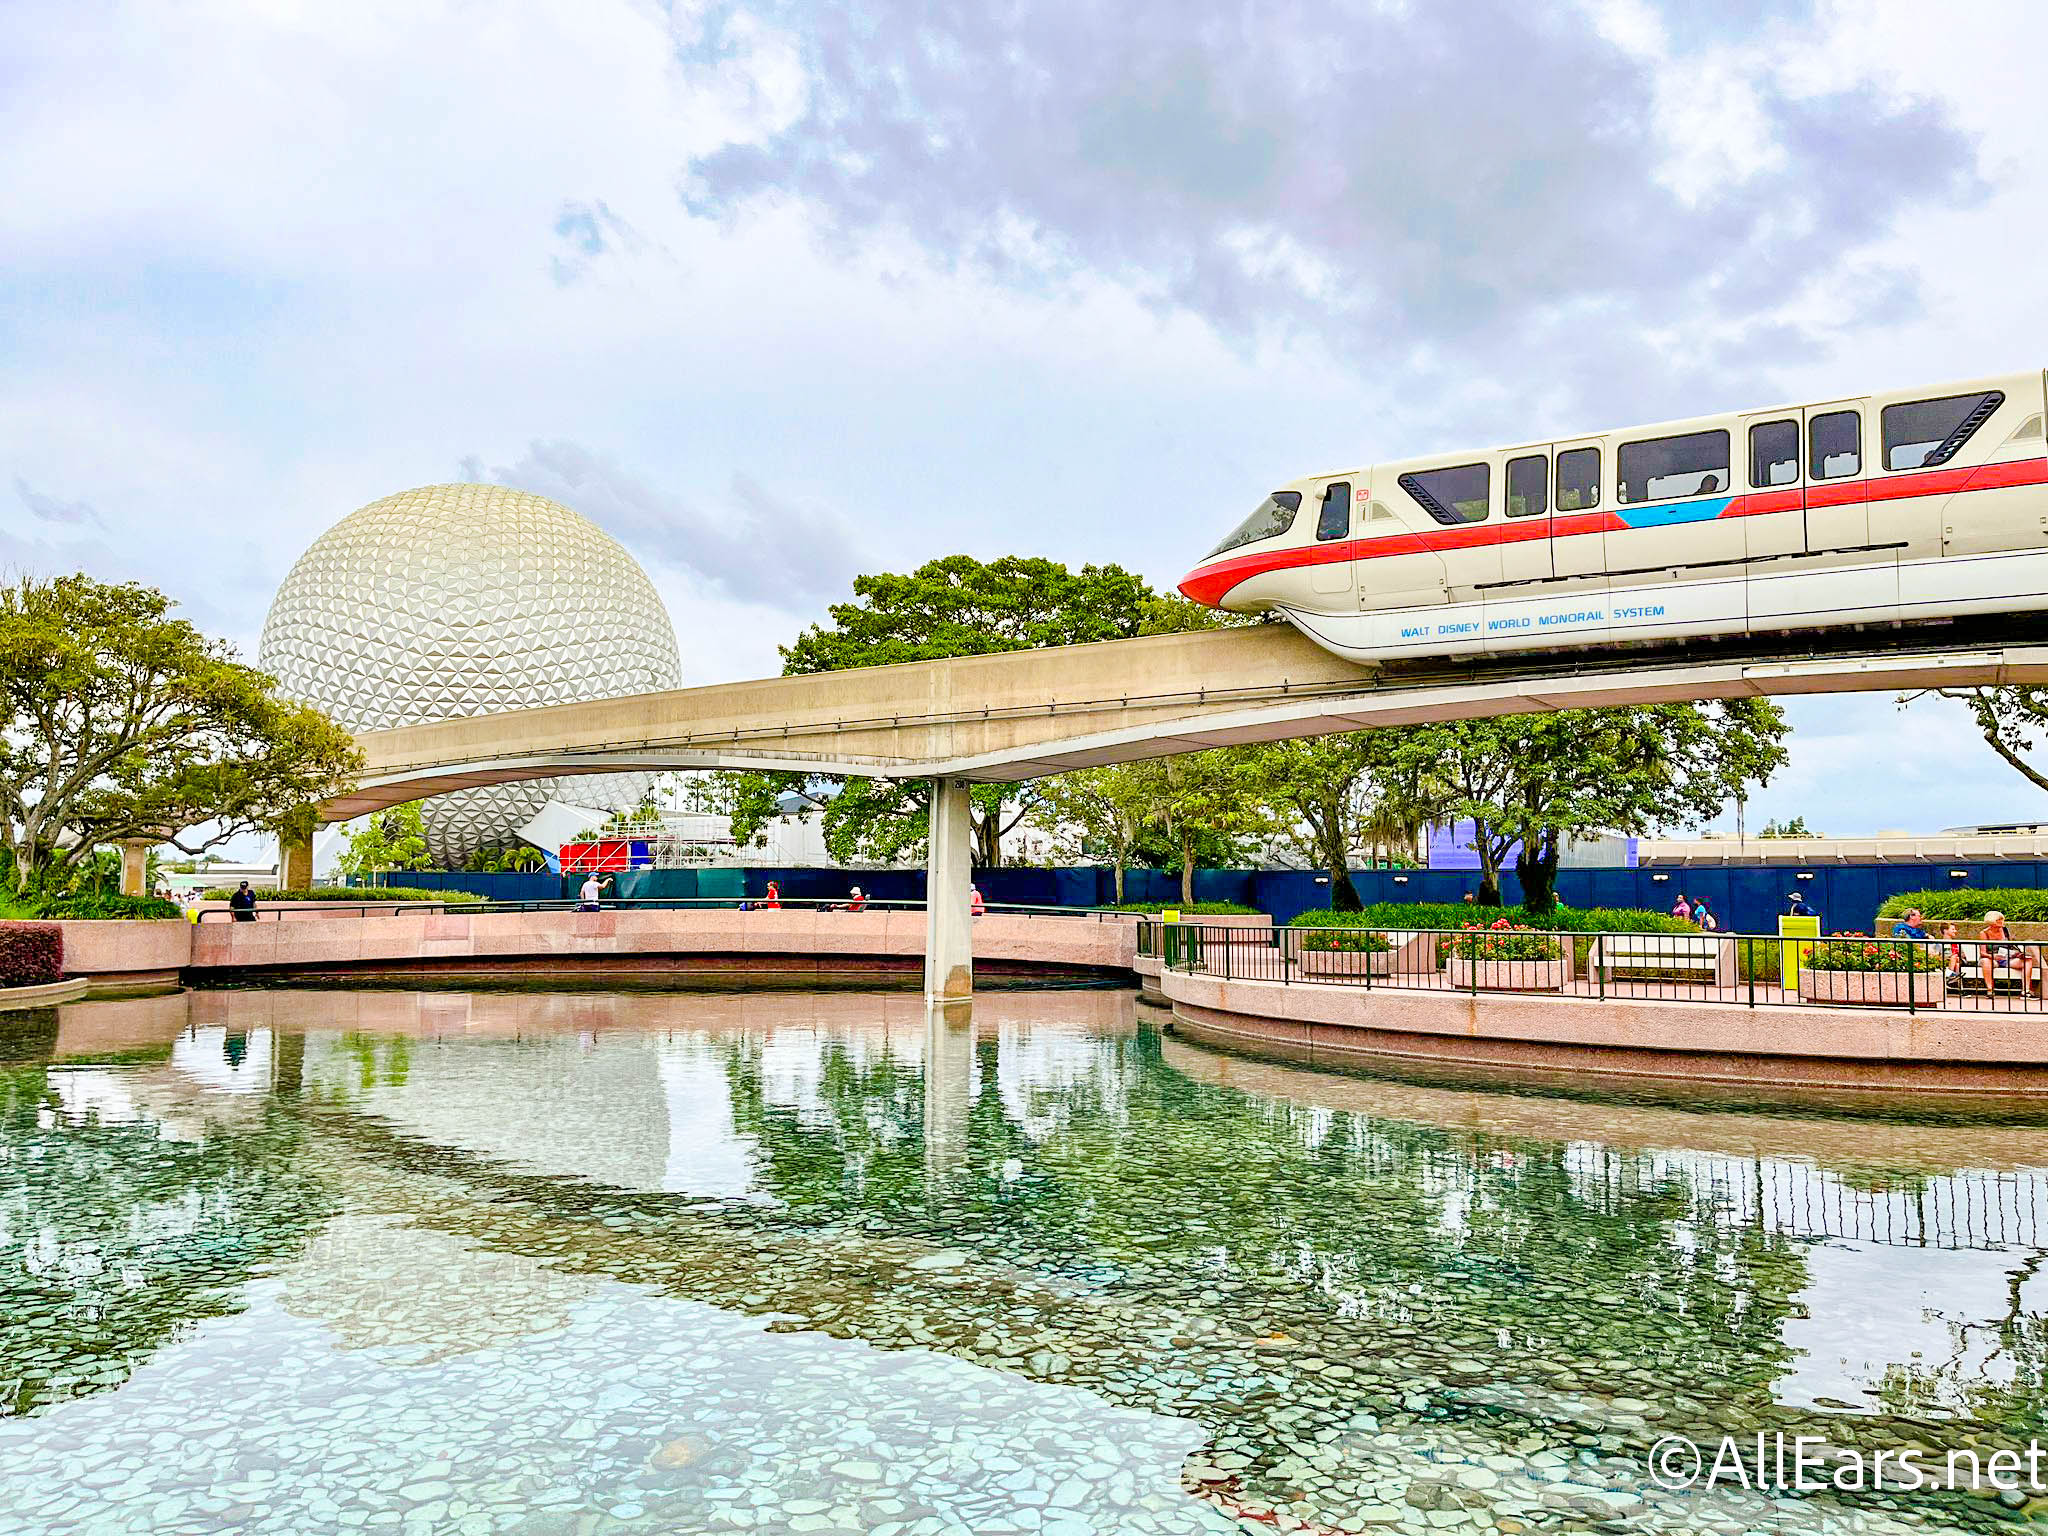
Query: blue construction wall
{"type": "Point", "coordinates": [1746, 898]}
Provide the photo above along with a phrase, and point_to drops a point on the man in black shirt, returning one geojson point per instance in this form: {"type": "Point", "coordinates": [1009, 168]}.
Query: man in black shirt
{"type": "Point", "coordinates": [243, 903]}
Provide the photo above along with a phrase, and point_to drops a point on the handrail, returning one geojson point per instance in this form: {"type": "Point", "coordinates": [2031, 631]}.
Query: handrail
{"type": "Point", "coordinates": [1740, 969]}
{"type": "Point", "coordinates": [277, 910]}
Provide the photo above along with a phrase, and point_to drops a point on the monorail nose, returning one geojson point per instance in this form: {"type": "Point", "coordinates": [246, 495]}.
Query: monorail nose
{"type": "Point", "coordinates": [1206, 585]}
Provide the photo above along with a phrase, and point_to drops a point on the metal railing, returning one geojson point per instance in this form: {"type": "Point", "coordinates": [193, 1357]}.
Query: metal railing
{"type": "Point", "coordinates": [273, 911]}
{"type": "Point", "coordinates": [1745, 970]}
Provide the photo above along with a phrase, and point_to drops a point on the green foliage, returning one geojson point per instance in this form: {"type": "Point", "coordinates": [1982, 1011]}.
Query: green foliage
{"type": "Point", "coordinates": [502, 861]}
{"type": "Point", "coordinates": [1964, 906]}
{"type": "Point", "coordinates": [118, 721]}
{"type": "Point", "coordinates": [1795, 827]}
{"type": "Point", "coordinates": [1324, 791]}
{"type": "Point", "coordinates": [955, 606]}
{"type": "Point", "coordinates": [1339, 932]}
{"type": "Point", "coordinates": [1191, 908]}
{"type": "Point", "coordinates": [1541, 779]}
{"type": "Point", "coordinates": [1505, 941]}
{"type": "Point", "coordinates": [98, 905]}
{"type": "Point", "coordinates": [1456, 915]}
{"type": "Point", "coordinates": [2013, 722]}
{"type": "Point", "coordinates": [1098, 813]}
{"type": "Point", "coordinates": [358, 894]}
{"type": "Point", "coordinates": [1871, 955]}
{"type": "Point", "coordinates": [387, 840]}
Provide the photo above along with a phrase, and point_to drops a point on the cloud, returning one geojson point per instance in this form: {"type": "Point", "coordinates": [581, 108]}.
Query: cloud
{"type": "Point", "coordinates": [49, 509]}
{"type": "Point", "coordinates": [1491, 190]}
{"type": "Point", "coordinates": [757, 547]}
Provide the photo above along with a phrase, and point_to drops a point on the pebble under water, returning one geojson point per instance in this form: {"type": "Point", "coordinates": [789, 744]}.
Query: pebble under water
{"type": "Point", "coordinates": [291, 1261]}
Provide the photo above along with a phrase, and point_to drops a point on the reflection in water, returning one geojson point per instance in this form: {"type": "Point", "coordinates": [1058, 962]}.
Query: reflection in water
{"type": "Point", "coordinates": [781, 1262]}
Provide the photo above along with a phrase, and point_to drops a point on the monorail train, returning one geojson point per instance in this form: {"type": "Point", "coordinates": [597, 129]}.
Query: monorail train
{"type": "Point", "coordinates": [1915, 505]}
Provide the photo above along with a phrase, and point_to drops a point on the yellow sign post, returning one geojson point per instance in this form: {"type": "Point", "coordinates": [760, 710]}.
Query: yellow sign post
{"type": "Point", "coordinates": [1792, 956]}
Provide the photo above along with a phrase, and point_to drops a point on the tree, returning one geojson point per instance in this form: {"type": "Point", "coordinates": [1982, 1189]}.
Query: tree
{"type": "Point", "coordinates": [955, 606]}
{"type": "Point", "coordinates": [1530, 783]}
{"type": "Point", "coordinates": [387, 840]}
{"type": "Point", "coordinates": [1208, 794]}
{"type": "Point", "coordinates": [1796, 827]}
{"type": "Point", "coordinates": [122, 722]}
{"type": "Point", "coordinates": [1324, 785]}
{"type": "Point", "coordinates": [2012, 720]}
{"type": "Point", "coordinates": [1100, 812]}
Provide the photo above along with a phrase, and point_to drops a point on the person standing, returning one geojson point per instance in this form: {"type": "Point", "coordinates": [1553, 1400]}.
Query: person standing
{"type": "Point", "coordinates": [243, 903]}
{"type": "Point", "coordinates": [1706, 919]}
{"type": "Point", "coordinates": [975, 906]}
{"type": "Point", "coordinates": [772, 902]}
{"type": "Point", "coordinates": [591, 897]}
{"type": "Point", "coordinates": [1682, 909]}
{"type": "Point", "coordinates": [1797, 907]}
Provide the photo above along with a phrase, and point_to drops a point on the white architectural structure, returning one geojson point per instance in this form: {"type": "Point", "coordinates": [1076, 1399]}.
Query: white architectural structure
{"type": "Point", "coordinates": [457, 600]}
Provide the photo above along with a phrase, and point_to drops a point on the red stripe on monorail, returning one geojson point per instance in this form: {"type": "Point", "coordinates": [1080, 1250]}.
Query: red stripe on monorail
{"type": "Point", "coordinates": [1210, 584]}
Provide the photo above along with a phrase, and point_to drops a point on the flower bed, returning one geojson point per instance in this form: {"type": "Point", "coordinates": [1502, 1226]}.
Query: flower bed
{"type": "Point", "coordinates": [1507, 957]}
{"type": "Point", "coordinates": [1876, 973]}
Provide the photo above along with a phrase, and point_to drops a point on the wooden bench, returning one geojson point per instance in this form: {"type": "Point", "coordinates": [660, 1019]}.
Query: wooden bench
{"type": "Point", "coordinates": [1706, 958]}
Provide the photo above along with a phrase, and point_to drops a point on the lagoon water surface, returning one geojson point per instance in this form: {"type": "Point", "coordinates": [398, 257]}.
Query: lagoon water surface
{"type": "Point", "coordinates": [514, 1262]}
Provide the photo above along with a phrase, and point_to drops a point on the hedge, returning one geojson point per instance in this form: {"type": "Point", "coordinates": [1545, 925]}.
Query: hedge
{"type": "Point", "coordinates": [1457, 914]}
{"type": "Point", "coordinates": [31, 954]}
{"type": "Point", "coordinates": [354, 894]}
{"type": "Point", "coordinates": [1196, 909]}
{"type": "Point", "coordinates": [109, 905]}
{"type": "Point", "coordinates": [1965, 906]}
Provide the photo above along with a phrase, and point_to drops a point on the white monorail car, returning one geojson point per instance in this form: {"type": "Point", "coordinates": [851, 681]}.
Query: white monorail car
{"type": "Point", "coordinates": [1915, 505]}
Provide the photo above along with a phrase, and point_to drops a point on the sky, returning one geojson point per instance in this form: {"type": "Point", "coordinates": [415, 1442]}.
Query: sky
{"type": "Point", "coordinates": [778, 293]}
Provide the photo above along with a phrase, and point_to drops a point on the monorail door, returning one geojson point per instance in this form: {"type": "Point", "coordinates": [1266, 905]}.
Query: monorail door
{"type": "Point", "coordinates": [1774, 495]}
{"type": "Point", "coordinates": [1525, 534]}
{"type": "Point", "coordinates": [1334, 579]}
{"type": "Point", "coordinates": [1837, 458]}
{"type": "Point", "coordinates": [1578, 546]}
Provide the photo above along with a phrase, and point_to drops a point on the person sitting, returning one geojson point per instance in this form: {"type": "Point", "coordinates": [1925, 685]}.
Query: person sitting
{"type": "Point", "coordinates": [1998, 947]}
{"type": "Point", "coordinates": [856, 902]}
{"type": "Point", "coordinates": [1952, 955]}
{"type": "Point", "coordinates": [1913, 927]}
{"type": "Point", "coordinates": [975, 907]}
{"type": "Point", "coordinates": [772, 902]}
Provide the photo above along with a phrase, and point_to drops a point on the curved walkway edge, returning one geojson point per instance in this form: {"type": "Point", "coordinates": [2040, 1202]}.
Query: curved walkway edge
{"type": "Point", "coordinates": [1740, 1048]}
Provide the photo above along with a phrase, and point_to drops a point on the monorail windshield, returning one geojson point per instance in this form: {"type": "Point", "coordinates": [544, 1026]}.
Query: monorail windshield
{"type": "Point", "coordinates": [1273, 518]}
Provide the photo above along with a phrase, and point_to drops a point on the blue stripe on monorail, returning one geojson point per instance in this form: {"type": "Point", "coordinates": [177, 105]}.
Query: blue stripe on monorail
{"type": "Point", "coordinates": [1679, 512]}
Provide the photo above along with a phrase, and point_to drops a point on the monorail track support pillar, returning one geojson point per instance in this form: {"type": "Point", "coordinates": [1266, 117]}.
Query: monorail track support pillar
{"type": "Point", "coordinates": [949, 873]}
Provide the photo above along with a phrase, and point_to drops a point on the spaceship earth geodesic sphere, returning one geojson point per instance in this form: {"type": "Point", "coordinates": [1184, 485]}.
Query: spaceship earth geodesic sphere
{"type": "Point", "coordinates": [454, 600]}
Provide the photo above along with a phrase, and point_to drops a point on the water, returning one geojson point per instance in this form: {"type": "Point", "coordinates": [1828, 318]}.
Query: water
{"type": "Point", "coordinates": [302, 1261]}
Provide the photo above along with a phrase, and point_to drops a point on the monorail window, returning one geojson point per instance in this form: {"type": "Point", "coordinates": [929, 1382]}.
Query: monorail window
{"type": "Point", "coordinates": [1334, 521]}
{"type": "Point", "coordinates": [1773, 453]}
{"type": "Point", "coordinates": [1922, 433]}
{"type": "Point", "coordinates": [1834, 445]}
{"type": "Point", "coordinates": [1529, 486]}
{"type": "Point", "coordinates": [1578, 479]}
{"type": "Point", "coordinates": [1273, 518]}
{"type": "Point", "coordinates": [1690, 464]}
{"type": "Point", "coordinates": [1456, 495]}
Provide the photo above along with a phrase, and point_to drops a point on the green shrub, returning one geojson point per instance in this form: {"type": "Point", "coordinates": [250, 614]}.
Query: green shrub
{"type": "Point", "coordinates": [1965, 906]}
{"type": "Point", "coordinates": [1455, 915]}
{"type": "Point", "coordinates": [1871, 955]}
{"type": "Point", "coordinates": [1198, 909]}
{"type": "Point", "coordinates": [102, 905]}
{"type": "Point", "coordinates": [353, 893]}
{"type": "Point", "coordinates": [1505, 942]}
